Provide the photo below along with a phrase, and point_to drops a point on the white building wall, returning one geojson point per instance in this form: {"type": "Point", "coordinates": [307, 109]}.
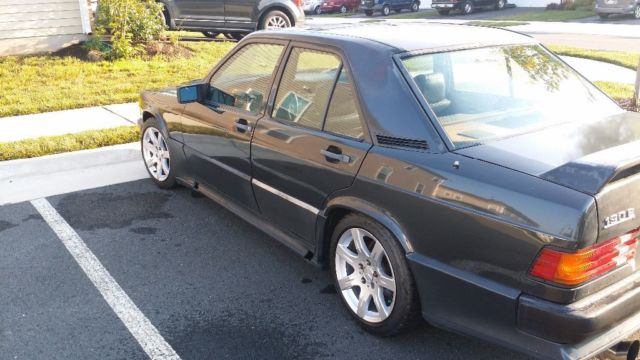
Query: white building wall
{"type": "Point", "coordinates": [34, 26]}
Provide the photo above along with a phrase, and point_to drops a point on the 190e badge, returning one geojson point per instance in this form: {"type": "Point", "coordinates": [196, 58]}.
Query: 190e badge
{"type": "Point", "coordinates": [619, 217]}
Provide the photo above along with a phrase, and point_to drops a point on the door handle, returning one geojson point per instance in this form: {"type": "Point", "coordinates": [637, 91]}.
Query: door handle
{"type": "Point", "coordinates": [334, 154]}
{"type": "Point", "coordinates": [242, 126]}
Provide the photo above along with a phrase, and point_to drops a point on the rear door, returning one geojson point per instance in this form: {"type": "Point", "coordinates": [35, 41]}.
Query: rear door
{"type": "Point", "coordinates": [199, 13]}
{"type": "Point", "coordinates": [217, 132]}
{"type": "Point", "coordinates": [299, 158]}
{"type": "Point", "coordinates": [241, 13]}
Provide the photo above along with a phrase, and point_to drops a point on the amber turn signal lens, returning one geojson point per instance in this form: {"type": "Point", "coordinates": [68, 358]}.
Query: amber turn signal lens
{"type": "Point", "coordinates": [586, 264]}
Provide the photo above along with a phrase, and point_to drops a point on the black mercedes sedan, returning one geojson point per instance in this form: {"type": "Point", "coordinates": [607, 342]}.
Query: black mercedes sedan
{"type": "Point", "coordinates": [471, 178]}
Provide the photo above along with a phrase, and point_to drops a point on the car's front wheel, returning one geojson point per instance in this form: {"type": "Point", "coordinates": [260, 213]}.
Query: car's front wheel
{"type": "Point", "coordinates": [210, 34]}
{"type": "Point", "coordinates": [386, 10]}
{"type": "Point", "coordinates": [317, 10]}
{"type": "Point", "coordinates": [343, 9]}
{"type": "Point", "coordinates": [500, 4]}
{"type": "Point", "coordinates": [275, 20]}
{"type": "Point", "coordinates": [636, 14]}
{"type": "Point", "coordinates": [467, 8]}
{"type": "Point", "coordinates": [415, 6]}
{"type": "Point", "coordinates": [372, 276]}
{"type": "Point", "coordinates": [157, 155]}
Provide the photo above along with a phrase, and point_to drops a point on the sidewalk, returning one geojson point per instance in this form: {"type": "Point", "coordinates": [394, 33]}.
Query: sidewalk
{"type": "Point", "coordinates": [68, 121]}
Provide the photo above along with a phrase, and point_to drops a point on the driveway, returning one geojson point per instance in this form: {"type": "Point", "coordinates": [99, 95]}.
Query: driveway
{"type": "Point", "coordinates": [210, 284]}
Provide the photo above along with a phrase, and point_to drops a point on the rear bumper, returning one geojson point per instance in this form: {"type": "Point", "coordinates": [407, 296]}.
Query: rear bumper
{"type": "Point", "coordinates": [629, 9]}
{"type": "Point", "coordinates": [467, 303]}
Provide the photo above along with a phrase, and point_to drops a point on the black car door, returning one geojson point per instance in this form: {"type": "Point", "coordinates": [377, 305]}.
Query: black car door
{"type": "Point", "coordinates": [299, 158]}
{"type": "Point", "coordinates": [217, 132]}
{"type": "Point", "coordinates": [199, 13]}
{"type": "Point", "coordinates": [241, 13]}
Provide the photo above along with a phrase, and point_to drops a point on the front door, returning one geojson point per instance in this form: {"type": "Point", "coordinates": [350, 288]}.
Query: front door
{"type": "Point", "coordinates": [217, 132]}
{"type": "Point", "coordinates": [199, 13]}
{"type": "Point", "coordinates": [298, 157]}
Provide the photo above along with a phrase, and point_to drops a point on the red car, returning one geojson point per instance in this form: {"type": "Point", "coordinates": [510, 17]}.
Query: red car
{"type": "Point", "coordinates": [331, 6]}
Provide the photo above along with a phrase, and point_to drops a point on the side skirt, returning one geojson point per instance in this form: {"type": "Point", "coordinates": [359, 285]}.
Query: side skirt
{"type": "Point", "coordinates": [252, 218]}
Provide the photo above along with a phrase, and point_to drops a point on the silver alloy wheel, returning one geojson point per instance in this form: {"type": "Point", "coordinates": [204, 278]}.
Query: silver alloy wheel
{"type": "Point", "coordinates": [637, 14]}
{"type": "Point", "coordinates": [467, 8]}
{"type": "Point", "coordinates": [414, 6]}
{"type": "Point", "coordinates": [500, 4]}
{"type": "Point", "coordinates": [318, 11]}
{"type": "Point", "coordinates": [364, 275]}
{"type": "Point", "coordinates": [343, 9]}
{"type": "Point", "coordinates": [385, 11]}
{"type": "Point", "coordinates": [276, 22]}
{"type": "Point", "coordinates": [156, 154]}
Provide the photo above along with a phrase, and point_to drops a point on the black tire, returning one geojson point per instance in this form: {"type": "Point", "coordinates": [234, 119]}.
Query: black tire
{"type": "Point", "coordinates": [415, 6]}
{"type": "Point", "coordinates": [406, 309]}
{"type": "Point", "coordinates": [210, 34]}
{"type": "Point", "coordinates": [317, 10]}
{"type": "Point", "coordinates": [235, 35]}
{"type": "Point", "coordinates": [500, 4]}
{"type": "Point", "coordinates": [170, 182]}
{"type": "Point", "coordinates": [368, 12]}
{"type": "Point", "coordinates": [386, 10]}
{"type": "Point", "coordinates": [468, 7]}
{"type": "Point", "coordinates": [603, 16]}
{"type": "Point", "coordinates": [275, 14]}
{"type": "Point", "coordinates": [443, 12]}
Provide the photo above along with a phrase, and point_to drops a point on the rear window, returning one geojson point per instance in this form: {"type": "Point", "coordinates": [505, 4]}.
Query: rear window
{"type": "Point", "coordinates": [488, 93]}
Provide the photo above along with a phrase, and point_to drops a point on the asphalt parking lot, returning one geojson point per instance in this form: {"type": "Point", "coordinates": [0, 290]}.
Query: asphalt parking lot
{"type": "Point", "coordinates": [211, 284]}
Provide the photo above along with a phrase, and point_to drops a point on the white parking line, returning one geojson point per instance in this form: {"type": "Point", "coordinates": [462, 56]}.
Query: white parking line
{"type": "Point", "coordinates": [140, 327]}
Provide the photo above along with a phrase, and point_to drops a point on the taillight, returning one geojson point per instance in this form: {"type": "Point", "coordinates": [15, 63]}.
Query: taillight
{"type": "Point", "coordinates": [586, 264]}
{"type": "Point", "coordinates": [298, 3]}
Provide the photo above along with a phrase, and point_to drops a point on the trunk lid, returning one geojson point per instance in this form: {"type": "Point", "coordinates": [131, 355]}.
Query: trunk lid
{"type": "Point", "coordinates": [600, 158]}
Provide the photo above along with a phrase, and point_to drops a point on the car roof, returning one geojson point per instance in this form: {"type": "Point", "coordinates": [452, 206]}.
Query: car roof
{"type": "Point", "coordinates": [407, 36]}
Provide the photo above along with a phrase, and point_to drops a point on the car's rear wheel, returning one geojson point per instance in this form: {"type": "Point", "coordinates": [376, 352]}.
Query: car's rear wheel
{"type": "Point", "coordinates": [637, 12]}
{"type": "Point", "coordinates": [386, 10]}
{"type": "Point", "coordinates": [210, 34]}
{"type": "Point", "coordinates": [372, 276]}
{"type": "Point", "coordinates": [443, 12]}
{"type": "Point", "coordinates": [368, 12]}
{"type": "Point", "coordinates": [343, 9]}
{"type": "Point", "coordinates": [467, 8]}
{"type": "Point", "coordinates": [157, 155]}
{"type": "Point", "coordinates": [415, 6]}
{"type": "Point", "coordinates": [500, 4]}
{"type": "Point", "coordinates": [275, 19]}
{"type": "Point", "coordinates": [317, 10]}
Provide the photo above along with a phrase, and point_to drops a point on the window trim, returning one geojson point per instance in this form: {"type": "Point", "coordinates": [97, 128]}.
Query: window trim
{"type": "Point", "coordinates": [344, 62]}
{"type": "Point", "coordinates": [276, 72]}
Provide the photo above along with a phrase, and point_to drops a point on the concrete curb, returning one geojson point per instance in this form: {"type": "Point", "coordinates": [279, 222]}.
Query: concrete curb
{"type": "Point", "coordinates": [28, 179]}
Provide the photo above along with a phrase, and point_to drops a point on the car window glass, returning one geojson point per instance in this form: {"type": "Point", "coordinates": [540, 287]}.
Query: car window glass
{"type": "Point", "coordinates": [343, 117]}
{"type": "Point", "coordinates": [244, 80]}
{"type": "Point", "coordinates": [305, 87]}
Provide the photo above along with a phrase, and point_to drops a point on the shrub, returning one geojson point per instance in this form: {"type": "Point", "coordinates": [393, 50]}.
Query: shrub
{"type": "Point", "coordinates": [131, 23]}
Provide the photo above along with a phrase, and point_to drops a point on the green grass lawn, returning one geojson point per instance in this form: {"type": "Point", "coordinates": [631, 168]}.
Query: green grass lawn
{"type": "Point", "coordinates": [549, 15]}
{"type": "Point", "coordinates": [616, 90]}
{"type": "Point", "coordinates": [71, 142]}
{"type": "Point", "coordinates": [34, 84]}
{"type": "Point", "coordinates": [626, 59]}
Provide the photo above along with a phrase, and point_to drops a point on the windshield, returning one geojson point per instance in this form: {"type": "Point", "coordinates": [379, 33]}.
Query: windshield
{"type": "Point", "coordinates": [488, 93]}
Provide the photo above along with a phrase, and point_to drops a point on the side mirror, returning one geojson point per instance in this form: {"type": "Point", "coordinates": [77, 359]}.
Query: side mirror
{"type": "Point", "coordinates": [190, 93]}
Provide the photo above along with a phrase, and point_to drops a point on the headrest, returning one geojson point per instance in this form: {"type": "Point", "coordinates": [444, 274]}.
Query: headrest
{"type": "Point", "coordinates": [432, 86]}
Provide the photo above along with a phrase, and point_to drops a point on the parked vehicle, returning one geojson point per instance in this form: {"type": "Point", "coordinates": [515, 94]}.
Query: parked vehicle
{"type": "Point", "coordinates": [473, 178]}
{"type": "Point", "coordinates": [235, 19]}
{"type": "Point", "coordinates": [342, 6]}
{"type": "Point", "coordinates": [605, 8]}
{"type": "Point", "coordinates": [312, 6]}
{"type": "Point", "coordinates": [385, 6]}
{"type": "Point", "coordinates": [444, 7]}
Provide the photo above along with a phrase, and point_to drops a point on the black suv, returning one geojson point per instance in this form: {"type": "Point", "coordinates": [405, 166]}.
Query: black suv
{"type": "Point", "coordinates": [232, 18]}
